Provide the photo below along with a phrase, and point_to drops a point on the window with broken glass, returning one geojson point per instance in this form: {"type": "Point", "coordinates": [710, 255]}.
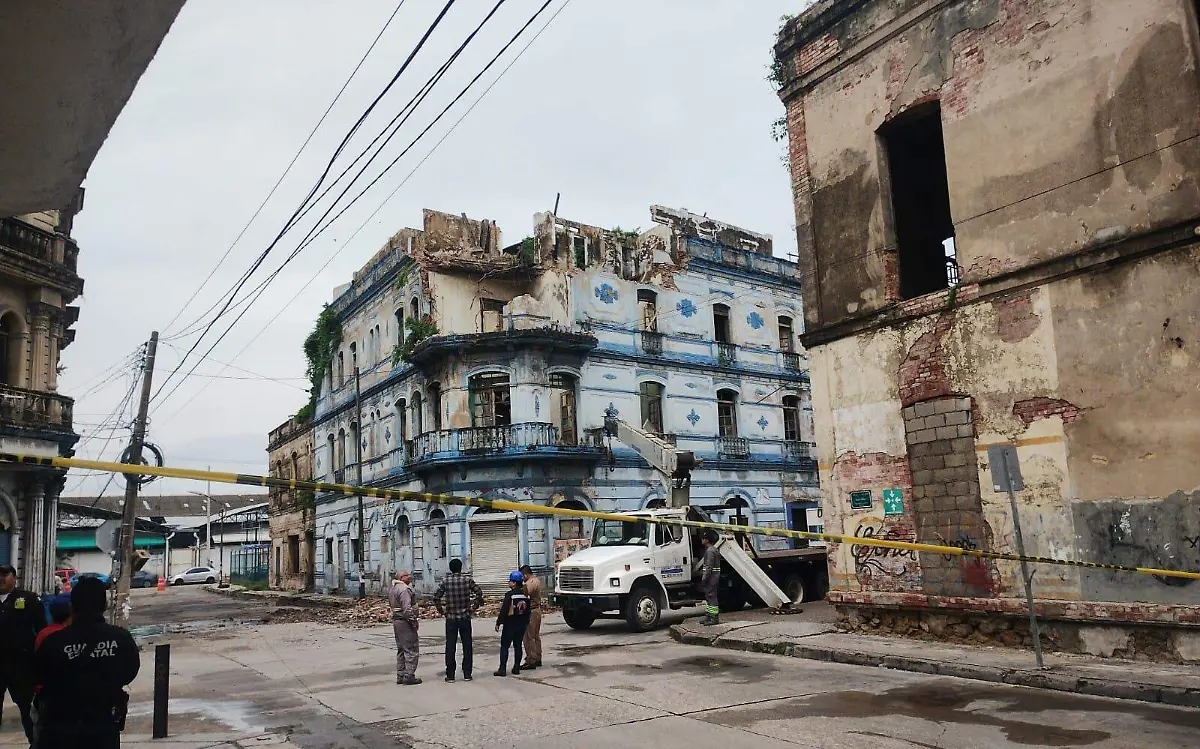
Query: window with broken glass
{"type": "Point", "coordinates": [490, 404]}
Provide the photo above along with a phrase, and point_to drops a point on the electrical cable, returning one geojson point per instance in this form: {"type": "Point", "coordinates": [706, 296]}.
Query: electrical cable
{"type": "Point", "coordinates": [384, 202]}
{"type": "Point", "coordinates": [290, 223]}
{"type": "Point", "coordinates": [316, 232]}
{"type": "Point", "coordinates": [283, 176]}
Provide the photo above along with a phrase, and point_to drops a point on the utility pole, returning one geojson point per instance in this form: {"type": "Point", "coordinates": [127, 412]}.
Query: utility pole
{"type": "Point", "coordinates": [132, 484]}
{"type": "Point", "coordinates": [358, 437]}
{"type": "Point", "coordinates": [208, 520]}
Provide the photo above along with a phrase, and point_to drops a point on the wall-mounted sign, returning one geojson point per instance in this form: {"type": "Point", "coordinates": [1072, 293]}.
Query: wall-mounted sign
{"type": "Point", "coordinates": [861, 500]}
{"type": "Point", "coordinates": [893, 502]}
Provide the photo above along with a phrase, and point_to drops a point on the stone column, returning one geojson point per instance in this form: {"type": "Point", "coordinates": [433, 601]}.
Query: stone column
{"type": "Point", "coordinates": [39, 323]}
{"type": "Point", "coordinates": [50, 505]}
{"type": "Point", "coordinates": [34, 533]}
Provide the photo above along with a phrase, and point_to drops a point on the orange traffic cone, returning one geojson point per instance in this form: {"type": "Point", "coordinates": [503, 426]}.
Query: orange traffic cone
{"type": "Point", "coordinates": [162, 584]}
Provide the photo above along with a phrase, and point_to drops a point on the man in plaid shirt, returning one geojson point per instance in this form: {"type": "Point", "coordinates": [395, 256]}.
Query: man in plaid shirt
{"type": "Point", "coordinates": [456, 597]}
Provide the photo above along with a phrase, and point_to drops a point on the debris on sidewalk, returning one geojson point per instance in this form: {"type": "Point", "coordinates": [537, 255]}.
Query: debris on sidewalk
{"type": "Point", "coordinates": [367, 612]}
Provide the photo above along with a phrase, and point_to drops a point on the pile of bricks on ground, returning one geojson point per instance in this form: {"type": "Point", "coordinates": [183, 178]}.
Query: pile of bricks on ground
{"type": "Point", "coordinates": [366, 612]}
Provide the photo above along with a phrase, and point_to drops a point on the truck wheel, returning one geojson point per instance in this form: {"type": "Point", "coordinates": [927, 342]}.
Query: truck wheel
{"type": "Point", "coordinates": [793, 588]}
{"type": "Point", "coordinates": [643, 610]}
{"type": "Point", "coordinates": [578, 618]}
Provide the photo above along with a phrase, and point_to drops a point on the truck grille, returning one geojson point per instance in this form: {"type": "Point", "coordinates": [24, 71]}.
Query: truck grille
{"type": "Point", "coordinates": [576, 578]}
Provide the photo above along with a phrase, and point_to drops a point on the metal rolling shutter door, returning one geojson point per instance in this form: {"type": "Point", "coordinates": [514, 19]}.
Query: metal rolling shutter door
{"type": "Point", "coordinates": [494, 552]}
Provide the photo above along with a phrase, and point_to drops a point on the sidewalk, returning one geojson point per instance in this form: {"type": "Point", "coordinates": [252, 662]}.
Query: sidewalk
{"type": "Point", "coordinates": [818, 640]}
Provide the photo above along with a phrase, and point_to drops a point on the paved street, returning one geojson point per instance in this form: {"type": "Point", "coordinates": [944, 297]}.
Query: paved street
{"type": "Point", "coordinates": [320, 687]}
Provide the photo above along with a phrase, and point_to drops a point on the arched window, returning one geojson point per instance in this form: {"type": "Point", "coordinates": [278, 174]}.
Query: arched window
{"type": "Point", "coordinates": [727, 413]}
{"type": "Point", "coordinates": [353, 358]}
{"type": "Point", "coordinates": [341, 369]}
{"type": "Point", "coordinates": [295, 461]}
{"type": "Point", "coordinates": [563, 417]}
{"type": "Point", "coordinates": [787, 337]}
{"type": "Point", "coordinates": [341, 449]}
{"type": "Point", "coordinates": [403, 531]}
{"type": "Point", "coordinates": [332, 453]}
{"type": "Point", "coordinates": [399, 325]}
{"type": "Point", "coordinates": [378, 346]}
{"type": "Point", "coordinates": [571, 527]}
{"type": "Point", "coordinates": [418, 420]}
{"type": "Point", "coordinates": [440, 547]}
{"type": "Point", "coordinates": [651, 394]}
{"type": "Point", "coordinates": [791, 418]}
{"type": "Point", "coordinates": [401, 421]}
{"type": "Point", "coordinates": [355, 437]}
{"type": "Point", "coordinates": [490, 403]}
{"type": "Point", "coordinates": [414, 309]}
{"type": "Point", "coordinates": [435, 405]}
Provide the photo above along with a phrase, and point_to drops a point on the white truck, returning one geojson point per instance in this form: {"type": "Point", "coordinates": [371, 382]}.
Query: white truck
{"type": "Point", "coordinates": [634, 568]}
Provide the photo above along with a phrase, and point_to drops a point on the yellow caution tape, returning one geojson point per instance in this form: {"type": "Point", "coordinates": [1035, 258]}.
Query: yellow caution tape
{"type": "Point", "coordinates": [528, 507]}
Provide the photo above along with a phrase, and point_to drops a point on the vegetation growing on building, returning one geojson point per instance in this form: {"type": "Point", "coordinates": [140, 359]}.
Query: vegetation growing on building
{"type": "Point", "coordinates": [320, 347]}
{"type": "Point", "coordinates": [528, 256]}
{"type": "Point", "coordinates": [415, 332]}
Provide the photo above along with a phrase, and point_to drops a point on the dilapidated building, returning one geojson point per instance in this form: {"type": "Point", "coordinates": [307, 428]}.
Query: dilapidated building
{"type": "Point", "coordinates": [998, 214]}
{"type": "Point", "coordinates": [291, 513]}
{"type": "Point", "coordinates": [486, 369]}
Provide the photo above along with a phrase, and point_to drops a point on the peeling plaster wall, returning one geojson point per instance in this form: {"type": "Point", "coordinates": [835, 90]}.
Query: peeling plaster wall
{"type": "Point", "coordinates": [1117, 80]}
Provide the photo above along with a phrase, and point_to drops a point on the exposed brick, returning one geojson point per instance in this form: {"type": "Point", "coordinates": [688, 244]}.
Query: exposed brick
{"type": "Point", "coordinates": [910, 412]}
{"type": "Point", "coordinates": [963, 445]}
{"type": "Point", "coordinates": [1015, 318]}
{"type": "Point", "coordinates": [927, 435]}
{"type": "Point", "coordinates": [938, 420]}
{"type": "Point", "coordinates": [922, 375]}
{"type": "Point", "coordinates": [959, 488]}
{"type": "Point", "coordinates": [924, 505]}
{"type": "Point", "coordinates": [957, 459]}
{"type": "Point", "coordinates": [935, 490]}
{"type": "Point", "coordinates": [930, 463]}
{"type": "Point", "coordinates": [942, 447]}
{"type": "Point", "coordinates": [1032, 409]}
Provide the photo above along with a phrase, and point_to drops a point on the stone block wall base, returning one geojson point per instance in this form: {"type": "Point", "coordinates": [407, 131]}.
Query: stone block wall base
{"type": "Point", "coordinates": [1137, 641]}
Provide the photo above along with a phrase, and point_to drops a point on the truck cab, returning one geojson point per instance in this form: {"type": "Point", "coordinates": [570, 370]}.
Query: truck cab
{"type": "Point", "coordinates": [632, 570]}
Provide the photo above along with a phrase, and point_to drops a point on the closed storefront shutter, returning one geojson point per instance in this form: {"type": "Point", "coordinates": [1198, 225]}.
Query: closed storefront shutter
{"type": "Point", "coordinates": [494, 554]}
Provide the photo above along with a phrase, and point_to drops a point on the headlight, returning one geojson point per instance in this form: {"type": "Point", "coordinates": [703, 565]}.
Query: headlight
{"type": "Point", "coordinates": [614, 582]}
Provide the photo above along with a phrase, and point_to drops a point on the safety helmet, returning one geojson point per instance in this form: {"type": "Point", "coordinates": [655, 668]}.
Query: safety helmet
{"type": "Point", "coordinates": [516, 577]}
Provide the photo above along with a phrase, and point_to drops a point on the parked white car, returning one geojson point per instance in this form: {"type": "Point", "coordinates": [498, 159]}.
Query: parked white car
{"type": "Point", "coordinates": [195, 575]}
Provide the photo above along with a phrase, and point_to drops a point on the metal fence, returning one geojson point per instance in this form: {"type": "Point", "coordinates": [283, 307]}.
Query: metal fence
{"type": "Point", "coordinates": [249, 564]}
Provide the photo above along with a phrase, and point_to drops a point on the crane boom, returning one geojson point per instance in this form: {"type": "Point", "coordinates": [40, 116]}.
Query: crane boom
{"type": "Point", "coordinates": [674, 464]}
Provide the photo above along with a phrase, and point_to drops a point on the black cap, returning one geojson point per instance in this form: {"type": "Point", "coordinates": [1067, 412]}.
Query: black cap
{"type": "Point", "coordinates": [89, 596]}
{"type": "Point", "coordinates": [7, 569]}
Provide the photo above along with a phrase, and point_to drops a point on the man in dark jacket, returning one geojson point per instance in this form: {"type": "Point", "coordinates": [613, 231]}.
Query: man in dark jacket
{"type": "Point", "coordinates": [513, 618]}
{"type": "Point", "coordinates": [710, 577]}
{"type": "Point", "coordinates": [22, 616]}
{"type": "Point", "coordinates": [81, 672]}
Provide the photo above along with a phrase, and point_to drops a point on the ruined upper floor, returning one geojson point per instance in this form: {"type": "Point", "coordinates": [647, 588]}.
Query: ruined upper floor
{"type": "Point", "coordinates": [966, 146]}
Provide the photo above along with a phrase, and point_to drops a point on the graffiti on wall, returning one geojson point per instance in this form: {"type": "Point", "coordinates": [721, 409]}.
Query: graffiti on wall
{"type": "Point", "coordinates": [881, 568]}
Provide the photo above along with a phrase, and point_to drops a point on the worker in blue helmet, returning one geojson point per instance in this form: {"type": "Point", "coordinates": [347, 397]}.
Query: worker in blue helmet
{"type": "Point", "coordinates": [512, 622]}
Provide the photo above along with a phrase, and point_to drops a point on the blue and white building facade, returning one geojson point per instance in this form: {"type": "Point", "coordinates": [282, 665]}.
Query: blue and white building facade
{"type": "Point", "coordinates": [689, 329]}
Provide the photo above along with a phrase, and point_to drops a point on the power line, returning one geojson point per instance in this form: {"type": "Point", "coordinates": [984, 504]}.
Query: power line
{"type": "Point", "coordinates": [385, 201]}
{"type": "Point", "coordinates": [291, 220]}
{"type": "Point", "coordinates": [318, 229]}
{"type": "Point", "coordinates": [286, 171]}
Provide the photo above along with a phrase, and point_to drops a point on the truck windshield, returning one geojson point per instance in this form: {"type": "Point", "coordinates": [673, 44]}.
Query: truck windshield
{"type": "Point", "coordinates": [619, 533]}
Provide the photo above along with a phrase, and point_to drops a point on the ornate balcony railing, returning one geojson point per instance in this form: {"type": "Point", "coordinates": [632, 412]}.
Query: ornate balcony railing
{"type": "Point", "coordinates": [733, 447]}
{"type": "Point", "coordinates": [726, 353]}
{"type": "Point", "coordinates": [791, 361]}
{"type": "Point", "coordinates": [652, 343]}
{"type": "Point", "coordinates": [795, 451]}
{"type": "Point", "coordinates": [35, 410]}
{"type": "Point", "coordinates": [37, 244]}
{"type": "Point", "coordinates": [517, 439]}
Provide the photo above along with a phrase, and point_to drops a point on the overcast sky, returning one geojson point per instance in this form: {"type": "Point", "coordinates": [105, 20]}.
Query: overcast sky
{"type": "Point", "coordinates": [618, 105]}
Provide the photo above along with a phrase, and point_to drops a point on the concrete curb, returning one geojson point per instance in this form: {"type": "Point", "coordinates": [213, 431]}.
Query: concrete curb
{"type": "Point", "coordinates": [1061, 680]}
{"type": "Point", "coordinates": [279, 597]}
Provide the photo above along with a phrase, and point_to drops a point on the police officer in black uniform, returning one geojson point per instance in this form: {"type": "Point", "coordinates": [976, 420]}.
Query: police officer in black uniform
{"type": "Point", "coordinates": [22, 616]}
{"type": "Point", "coordinates": [81, 672]}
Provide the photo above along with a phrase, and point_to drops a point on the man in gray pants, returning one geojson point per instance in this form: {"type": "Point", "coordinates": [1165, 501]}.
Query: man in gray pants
{"type": "Point", "coordinates": [404, 624]}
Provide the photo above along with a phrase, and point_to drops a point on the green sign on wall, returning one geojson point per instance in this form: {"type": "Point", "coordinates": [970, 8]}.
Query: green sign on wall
{"type": "Point", "coordinates": [893, 502]}
{"type": "Point", "coordinates": [861, 500]}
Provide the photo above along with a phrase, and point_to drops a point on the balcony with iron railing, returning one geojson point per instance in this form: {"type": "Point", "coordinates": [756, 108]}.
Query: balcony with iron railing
{"type": "Point", "coordinates": [525, 440]}
{"type": "Point", "coordinates": [791, 361]}
{"type": "Point", "coordinates": [726, 353]}
{"type": "Point", "coordinates": [795, 451]}
{"type": "Point", "coordinates": [30, 409]}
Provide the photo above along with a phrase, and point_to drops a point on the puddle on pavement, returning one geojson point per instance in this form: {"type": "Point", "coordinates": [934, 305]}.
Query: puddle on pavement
{"type": "Point", "coordinates": [187, 628]}
{"type": "Point", "coordinates": [236, 716]}
{"type": "Point", "coordinates": [950, 703]}
{"type": "Point", "coordinates": [727, 669]}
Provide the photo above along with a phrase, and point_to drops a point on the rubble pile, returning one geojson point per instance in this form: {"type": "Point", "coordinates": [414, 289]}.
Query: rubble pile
{"type": "Point", "coordinates": [368, 612]}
